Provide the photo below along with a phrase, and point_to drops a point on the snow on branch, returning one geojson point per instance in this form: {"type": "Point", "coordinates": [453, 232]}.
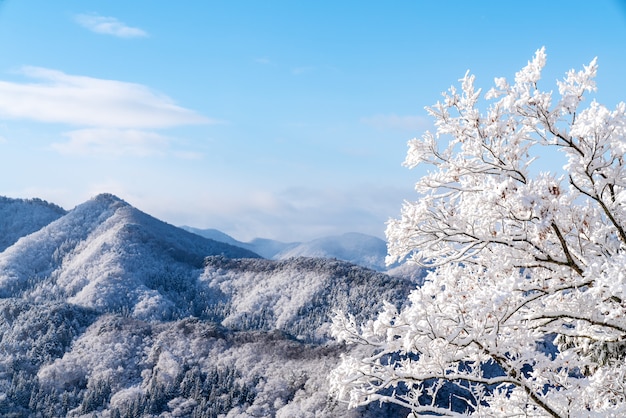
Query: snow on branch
{"type": "Point", "coordinates": [523, 312]}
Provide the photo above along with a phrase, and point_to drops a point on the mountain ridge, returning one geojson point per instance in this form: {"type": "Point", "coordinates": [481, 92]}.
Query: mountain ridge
{"type": "Point", "coordinates": [21, 217]}
{"type": "Point", "coordinates": [101, 247]}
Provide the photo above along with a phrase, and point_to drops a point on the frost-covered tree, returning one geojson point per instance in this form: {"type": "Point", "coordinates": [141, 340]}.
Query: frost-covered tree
{"type": "Point", "coordinates": [524, 310]}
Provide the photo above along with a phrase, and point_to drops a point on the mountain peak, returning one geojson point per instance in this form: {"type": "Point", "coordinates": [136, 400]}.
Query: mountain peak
{"type": "Point", "coordinates": [104, 204]}
{"type": "Point", "coordinates": [108, 198]}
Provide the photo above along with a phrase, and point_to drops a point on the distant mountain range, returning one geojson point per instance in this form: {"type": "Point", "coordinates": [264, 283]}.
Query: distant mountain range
{"type": "Point", "coordinates": [361, 249]}
{"type": "Point", "coordinates": [107, 311]}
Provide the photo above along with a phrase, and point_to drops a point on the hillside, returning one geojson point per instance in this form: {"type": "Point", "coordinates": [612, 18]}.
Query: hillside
{"type": "Point", "coordinates": [298, 295]}
{"type": "Point", "coordinates": [122, 367]}
{"type": "Point", "coordinates": [107, 255]}
{"type": "Point", "coordinates": [109, 312]}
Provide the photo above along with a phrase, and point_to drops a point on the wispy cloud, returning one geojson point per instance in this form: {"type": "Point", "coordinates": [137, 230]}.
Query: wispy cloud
{"type": "Point", "coordinates": [109, 26]}
{"type": "Point", "coordinates": [56, 97]}
{"type": "Point", "coordinates": [405, 123]}
{"type": "Point", "coordinates": [302, 70]}
{"type": "Point", "coordinates": [188, 155]}
{"type": "Point", "coordinates": [113, 143]}
{"type": "Point", "coordinates": [295, 214]}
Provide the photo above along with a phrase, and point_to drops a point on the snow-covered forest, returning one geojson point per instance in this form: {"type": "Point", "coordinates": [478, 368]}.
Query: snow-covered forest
{"type": "Point", "coordinates": [106, 311]}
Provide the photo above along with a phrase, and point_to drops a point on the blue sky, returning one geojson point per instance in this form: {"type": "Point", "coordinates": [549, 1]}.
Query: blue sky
{"type": "Point", "coordinates": [277, 119]}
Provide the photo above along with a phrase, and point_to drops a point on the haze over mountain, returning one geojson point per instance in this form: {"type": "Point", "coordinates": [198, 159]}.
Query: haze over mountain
{"type": "Point", "coordinates": [364, 250]}
{"type": "Point", "coordinates": [361, 249]}
{"type": "Point", "coordinates": [267, 248]}
{"type": "Point", "coordinates": [107, 310]}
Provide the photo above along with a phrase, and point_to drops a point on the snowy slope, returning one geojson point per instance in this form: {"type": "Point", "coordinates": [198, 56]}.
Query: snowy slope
{"type": "Point", "coordinates": [109, 256]}
{"type": "Point", "coordinates": [298, 295]}
{"type": "Point", "coordinates": [191, 368]}
{"type": "Point", "coordinates": [249, 365]}
{"type": "Point", "coordinates": [20, 217]}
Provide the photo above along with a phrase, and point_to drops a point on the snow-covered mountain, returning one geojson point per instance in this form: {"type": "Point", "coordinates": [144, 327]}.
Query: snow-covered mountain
{"type": "Point", "coordinates": [106, 311]}
{"type": "Point", "coordinates": [20, 217]}
{"type": "Point", "coordinates": [361, 249]}
{"type": "Point", "coordinates": [107, 255]}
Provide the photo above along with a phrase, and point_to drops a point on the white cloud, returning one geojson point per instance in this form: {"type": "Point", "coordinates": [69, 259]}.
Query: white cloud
{"type": "Point", "coordinates": [405, 123]}
{"type": "Point", "coordinates": [109, 26]}
{"type": "Point", "coordinates": [57, 97]}
{"type": "Point", "coordinates": [113, 143]}
{"type": "Point", "coordinates": [189, 155]}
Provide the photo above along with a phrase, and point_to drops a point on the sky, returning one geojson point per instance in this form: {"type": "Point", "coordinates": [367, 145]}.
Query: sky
{"type": "Point", "coordinates": [277, 119]}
